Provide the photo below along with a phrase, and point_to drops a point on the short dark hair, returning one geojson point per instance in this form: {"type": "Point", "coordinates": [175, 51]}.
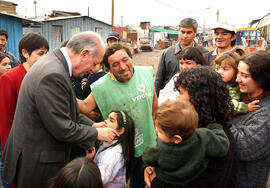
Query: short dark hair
{"type": "Point", "coordinates": [80, 172]}
{"type": "Point", "coordinates": [4, 32]}
{"type": "Point", "coordinates": [259, 67]}
{"type": "Point", "coordinates": [192, 53]}
{"type": "Point", "coordinates": [31, 42]}
{"type": "Point", "coordinates": [177, 118]}
{"type": "Point", "coordinates": [111, 50]}
{"type": "Point", "coordinates": [189, 22]}
{"type": "Point", "coordinates": [208, 94]}
{"type": "Point", "coordinates": [232, 33]}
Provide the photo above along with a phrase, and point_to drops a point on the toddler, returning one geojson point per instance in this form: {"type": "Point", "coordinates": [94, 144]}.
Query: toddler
{"type": "Point", "coordinates": [226, 65]}
{"type": "Point", "coordinates": [182, 149]}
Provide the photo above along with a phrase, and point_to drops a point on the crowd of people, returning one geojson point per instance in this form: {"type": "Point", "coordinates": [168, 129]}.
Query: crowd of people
{"type": "Point", "coordinates": [82, 115]}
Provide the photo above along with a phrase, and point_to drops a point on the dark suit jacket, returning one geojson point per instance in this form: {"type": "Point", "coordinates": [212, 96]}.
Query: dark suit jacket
{"type": "Point", "coordinates": [46, 122]}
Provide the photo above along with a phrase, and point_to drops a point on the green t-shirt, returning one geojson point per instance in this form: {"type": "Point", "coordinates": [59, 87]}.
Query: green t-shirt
{"type": "Point", "coordinates": [135, 97]}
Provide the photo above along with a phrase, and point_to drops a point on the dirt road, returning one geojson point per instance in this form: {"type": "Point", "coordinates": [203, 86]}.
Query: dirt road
{"type": "Point", "coordinates": [148, 59]}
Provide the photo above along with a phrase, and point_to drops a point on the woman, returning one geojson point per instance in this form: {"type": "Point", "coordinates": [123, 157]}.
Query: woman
{"type": "Point", "coordinates": [32, 47]}
{"type": "Point", "coordinates": [188, 58]}
{"type": "Point", "coordinates": [204, 88]}
{"type": "Point", "coordinates": [252, 130]}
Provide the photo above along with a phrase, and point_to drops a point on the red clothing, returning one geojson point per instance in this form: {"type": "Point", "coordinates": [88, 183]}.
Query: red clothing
{"type": "Point", "coordinates": [10, 84]}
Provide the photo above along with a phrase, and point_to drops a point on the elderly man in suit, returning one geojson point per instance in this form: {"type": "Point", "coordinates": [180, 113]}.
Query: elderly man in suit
{"type": "Point", "coordinates": [47, 120]}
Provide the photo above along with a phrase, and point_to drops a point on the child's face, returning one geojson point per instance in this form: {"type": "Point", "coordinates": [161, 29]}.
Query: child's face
{"type": "Point", "coordinates": [161, 134]}
{"type": "Point", "coordinates": [227, 72]}
{"type": "Point", "coordinates": [4, 66]}
{"type": "Point", "coordinates": [111, 122]}
{"type": "Point", "coordinates": [186, 64]}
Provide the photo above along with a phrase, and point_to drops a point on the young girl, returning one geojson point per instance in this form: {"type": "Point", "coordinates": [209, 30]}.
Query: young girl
{"type": "Point", "coordinates": [80, 172]}
{"type": "Point", "coordinates": [4, 63]}
{"type": "Point", "coordinates": [115, 159]}
{"type": "Point", "coordinates": [188, 58]}
{"type": "Point", "coordinates": [226, 65]}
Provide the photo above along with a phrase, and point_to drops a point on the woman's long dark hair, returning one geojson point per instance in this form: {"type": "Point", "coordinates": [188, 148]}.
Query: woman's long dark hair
{"type": "Point", "coordinates": [126, 140]}
{"type": "Point", "coordinates": [208, 94]}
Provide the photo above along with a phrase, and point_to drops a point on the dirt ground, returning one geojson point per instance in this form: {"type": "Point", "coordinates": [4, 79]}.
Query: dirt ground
{"type": "Point", "coordinates": [148, 59]}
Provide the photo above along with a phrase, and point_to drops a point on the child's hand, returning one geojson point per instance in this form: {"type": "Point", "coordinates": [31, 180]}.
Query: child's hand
{"type": "Point", "coordinates": [90, 155]}
{"type": "Point", "coordinates": [253, 105]}
{"type": "Point", "coordinates": [149, 175]}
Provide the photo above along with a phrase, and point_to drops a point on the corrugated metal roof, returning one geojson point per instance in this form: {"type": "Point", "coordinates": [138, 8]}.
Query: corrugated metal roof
{"type": "Point", "coordinates": [25, 21]}
{"type": "Point", "coordinates": [47, 19]}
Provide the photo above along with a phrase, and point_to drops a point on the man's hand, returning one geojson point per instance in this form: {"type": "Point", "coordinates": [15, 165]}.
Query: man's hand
{"type": "Point", "coordinates": [94, 116]}
{"type": "Point", "coordinates": [107, 134]}
{"type": "Point", "coordinates": [99, 125]}
{"type": "Point", "coordinates": [149, 175]}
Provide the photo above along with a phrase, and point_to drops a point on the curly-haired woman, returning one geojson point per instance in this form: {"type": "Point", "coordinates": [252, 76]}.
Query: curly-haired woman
{"type": "Point", "coordinates": [252, 130]}
{"type": "Point", "coordinates": [204, 88]}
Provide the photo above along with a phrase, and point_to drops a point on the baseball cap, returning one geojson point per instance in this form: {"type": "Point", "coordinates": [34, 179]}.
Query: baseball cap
{"type": "Point", "coordinates": [224, 25]}
{"type": "Point", "coordinates": [114, 35]}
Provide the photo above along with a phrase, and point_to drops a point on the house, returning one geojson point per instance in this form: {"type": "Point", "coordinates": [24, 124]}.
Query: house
{"type": "Point", "coordinates": [264, 26]}
{"type": "Point", "coordinates": [8, 7]}
{"type": "Point", "coordinates": [59, 28]}
{"type": "Point", "coordinates": [14, 24]}
{"type": "Point", "coordinates": [127, 33]}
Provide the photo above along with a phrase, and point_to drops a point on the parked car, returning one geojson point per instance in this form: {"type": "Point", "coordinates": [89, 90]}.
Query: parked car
{"type": "Point", "coordinates": [145, 44]}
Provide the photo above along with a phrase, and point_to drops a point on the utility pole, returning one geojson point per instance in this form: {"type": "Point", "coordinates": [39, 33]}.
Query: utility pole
{"type": "Point", "coordinates": [217, 15]}
{"type": "Point", "coordinates": [35, 3]}
{"type": "Point", "coordinates": [121, 21]}
{"type": "Point", "coordinates": [112, 14]}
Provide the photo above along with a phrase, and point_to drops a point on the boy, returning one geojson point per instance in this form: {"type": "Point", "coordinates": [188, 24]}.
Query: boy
{"type": "Point", "coordinates": [182, 150]}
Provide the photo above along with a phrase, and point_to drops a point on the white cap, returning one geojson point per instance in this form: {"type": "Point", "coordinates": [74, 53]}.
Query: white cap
{"type": "Point", "coordinates": [224, 25]}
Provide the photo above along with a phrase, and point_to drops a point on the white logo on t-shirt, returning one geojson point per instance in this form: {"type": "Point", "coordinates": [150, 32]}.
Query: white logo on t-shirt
{"type": "Point", "coordinates": [141, 88]}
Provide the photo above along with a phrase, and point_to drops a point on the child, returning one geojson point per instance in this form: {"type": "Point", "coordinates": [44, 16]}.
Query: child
{"type": "Point", "coordinates": [4, 63]}
{"type": "Point", "coordinates": [94, 76]}
{"type": "Point", "coordinates": [80, 172]}
{"type": "Point", "coordinates": [226, 65]}
{"type": "Point", "coordinates": [182, 150]}
{"type": "Point", "coordinates": [115, 159]}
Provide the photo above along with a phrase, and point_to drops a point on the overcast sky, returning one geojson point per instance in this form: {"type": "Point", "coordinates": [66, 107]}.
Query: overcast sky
{"type": "Point", "coordinates": [158, 12]}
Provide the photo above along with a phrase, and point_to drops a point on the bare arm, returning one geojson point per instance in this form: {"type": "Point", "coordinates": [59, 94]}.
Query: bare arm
{"type": "Point", "coordinates": [155, 102]}
{"type": "Point", "coordinates": [88, 105]}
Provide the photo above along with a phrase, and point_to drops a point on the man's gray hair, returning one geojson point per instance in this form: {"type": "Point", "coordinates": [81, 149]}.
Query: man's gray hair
{"type": "Point", "coordinates": [189, 22]}
{"type": "Point", "coordinates": [87, 39]}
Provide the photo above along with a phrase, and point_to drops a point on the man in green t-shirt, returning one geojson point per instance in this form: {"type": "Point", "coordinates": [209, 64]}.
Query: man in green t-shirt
{"type": "Point", "coordinates": [130, 89]}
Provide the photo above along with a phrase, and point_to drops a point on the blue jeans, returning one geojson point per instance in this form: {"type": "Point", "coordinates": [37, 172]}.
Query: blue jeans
{"type": "Point", "coordinates": [137, 179]}
{"type": "Point", "coordinates": [3, 182]}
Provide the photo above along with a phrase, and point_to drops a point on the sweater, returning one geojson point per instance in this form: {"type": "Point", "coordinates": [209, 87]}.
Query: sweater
{"type": "Point", "coordinates": [252, 134]}
{"type": "Point", "coordinates": [10, 84]}
{"type": "Point", "coordinates": [178, 164]}
{"type": "Point", "coordinates": [235, 94]}
{"type": "Point", "coordinates": [111, 164]}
